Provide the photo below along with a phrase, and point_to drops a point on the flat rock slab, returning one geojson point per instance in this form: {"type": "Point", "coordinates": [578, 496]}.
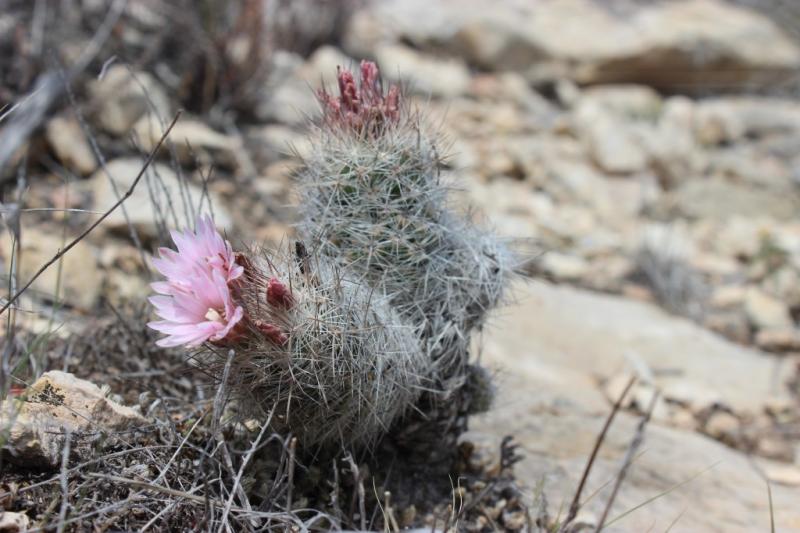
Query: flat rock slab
{"type": "Point", "coordinates": [705, 485]}
{"type": "Point", "coordinates": [549, 348]}
{"type": "Point", "coordinates": [552, 329]}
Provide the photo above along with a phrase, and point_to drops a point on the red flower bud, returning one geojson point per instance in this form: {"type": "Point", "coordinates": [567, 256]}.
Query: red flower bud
{"type": "Point", "coordinates": [278, 294]}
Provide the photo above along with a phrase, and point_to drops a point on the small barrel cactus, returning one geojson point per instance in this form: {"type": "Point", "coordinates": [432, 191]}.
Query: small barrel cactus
{"type": "Point", "coordinates": [374, 202]}
{"type": "Point", "coordinates": [323, 354]}
{"type": "Point", "coordinates": [371, 332]}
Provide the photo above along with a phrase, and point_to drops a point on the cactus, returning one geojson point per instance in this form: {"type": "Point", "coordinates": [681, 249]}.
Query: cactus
{"type": "Point", "coordinates": [333, 360]}
{"type": "Point", "coordinates": [370, 333]}
{"type": "Point", "coordinates": [375, 203]}
{"type": "Point", "coordinates": [323, 355]}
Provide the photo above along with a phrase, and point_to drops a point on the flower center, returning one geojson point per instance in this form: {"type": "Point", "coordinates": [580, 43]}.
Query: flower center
{"type": "Point", "coordinates": [213, 315]}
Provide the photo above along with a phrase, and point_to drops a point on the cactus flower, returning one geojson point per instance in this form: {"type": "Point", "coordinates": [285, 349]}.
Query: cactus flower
{"type": "Point", "coordinates": [195, 300]}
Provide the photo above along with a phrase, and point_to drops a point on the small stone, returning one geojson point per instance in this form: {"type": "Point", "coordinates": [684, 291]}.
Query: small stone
{"type": "Point", "coordinates": [611, 143]}
{"type": "Point", "coordinates": [407, 516]}
{"type": "Point", "coordinates": [514, 520]}
{"type": "Point", "coordinates": [779, 406]}
{"type": "Point", "coordinates": [494, 511]}
{"type": "Point", "coordinates": [70, 145]}
{"type": "Point", "coordinates": [140, 209]}
{"type": "Point", "coordinates": [788, 475]}
{"type": "Point", "coordinates": [776, 448]}
{"type": "Point", "coordinates": [563, 267]}
{"type": "Point", "coordinates": [723, 426]}
{"type": "Point", "coordinates": [192, 140]}
{"type": "Point", "coordinates": [764, 311]}
{"type": "Point", "coordinates": [424, 74]}
{"type": "Point", "coordinates": [585, 520]}
{"type": "Point", "coordinates": [695, 397]}
{"type": "Point", "coordinates": [779, 339]}
{"type": "Point", "coordinates": [682, 418]}
{"type": "Point", "coordinates": [11, 522]}
{"type": "Point", "coordinates": [730, 324]}
{"type": "Point", "coordinates": [122, 96]}
{"type": "Point", "coordinates": [74, 283]}
{"type": "Point", "coordinates": [56, 405]}
{"type": "Point", "coordinates": [728, 297]}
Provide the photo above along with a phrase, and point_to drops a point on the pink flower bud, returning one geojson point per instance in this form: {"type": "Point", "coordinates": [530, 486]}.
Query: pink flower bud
{"type": "Point", "coordinates": [278, 294]}
{"type": "Point", "coordinates": [273, 333]}
{"type": "Point", "coordinates": [362, 107]}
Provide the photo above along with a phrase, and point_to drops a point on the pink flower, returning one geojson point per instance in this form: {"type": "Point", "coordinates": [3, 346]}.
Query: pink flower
{"type": "Point", "coordinates": [205, 247]}
{"type": "Point", "coordinates": [195, 301]}
{"type": "Point", "coordinates": [362, 107]}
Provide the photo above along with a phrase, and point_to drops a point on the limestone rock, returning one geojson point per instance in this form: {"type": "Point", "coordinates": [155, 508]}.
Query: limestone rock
{"type": "Point", "coordinates": [718, 198]}
{"type": "Point", "coordinates": [74, 282]}
{"type": "Point", "coordinates": [764, 311]}
{"type": "Point", "coordinates": [292, 100]}
{"type": "Point", "coordinates": [70, 145]}
{"type": "Point", "coordinates": [571, 330]}
{"type": "Point", "coordinates": [193, 141]}
{"type": "Point", "coordinates": [686, 44]}
{"type": "Point", "coordinates": [56, 405]}
{"type": "Point", "coordinates": [563, 267]}
{"type": "Point", "coordinates": [122, 96]}
{"type": "Point", "coordinates": [547, 352]}
{"type": "Point", "coordinates": [445, 78]}
{"type": "Point", "coordinates": [142, 212]}
{"type": "Point", "coordinates": [11, 522]}
{"type": "Point", "coordinates": [611, 143]}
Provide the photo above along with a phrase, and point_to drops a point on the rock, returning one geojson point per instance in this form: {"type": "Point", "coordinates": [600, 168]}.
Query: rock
{"type": "Point", "coordinates": [773, 447]}
{"type": "Point", "coordinates": [74, 283]}
{"type": "Point", "coordinates": [444, 78]}
{"type": "Point", "coordinates": [751, 165]}
{"type": "Point", "coordinates": [320, 69]}
{"type": "Point", "coordinates": [668, 45]}
{"type": "Point", "coordinates": [269, 144]}
{"type": "Point", "coordinates": [718, 198]}
{"type": "Point", "coordinates": [717, 124]}
{"type": "Point", "coordinates": [547, 351]}
{"type": "Point", "coordinates": [634, 102]}
{"type": "Point", "coordinates": [764, 311]}
{"type": "Point", "coordinates": [732, 325]}
{"type": "Point", "coordinates": [731, 119]}
{"type": "Point", "coordinates": [563, 267]}
{"type": "Point", "coordinates": [610, 142]}
{"type": "Point", "coordinates": [292, 100]}
{"type": "Point", "coordinates": [70, 145]}
{"type": "Point", "coordinates": [513, 87]}
{"type": "Point", "coordinates": [787, 475]}
{"type": "Point", "coordinates": [779, 339]}
{"type": "Point", "coordinates": [728, 297]}
{"type": "Point", "coordinates": [140, 209]}
{"type": "Point", "coordinates": [723, 426]}
{"type": "Point", "coordinates": [740, 237]}
{"type": "Point", "coordinates": [56, 405]}
{"type": "Point", "coordinates": [671, 145]}
{"type": "Point", "coordinates": [193, 141]}
{"type": "Point", "coordinates": [579, 183]}
{"type": "Point", "coordinates": [11, 522]}
{"type": "Point", "coordinates": [123, 96]}
{"type": "Point", "coordinates": [570, 330]}
{"type": "Point", "coordinates": [719, 489]}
